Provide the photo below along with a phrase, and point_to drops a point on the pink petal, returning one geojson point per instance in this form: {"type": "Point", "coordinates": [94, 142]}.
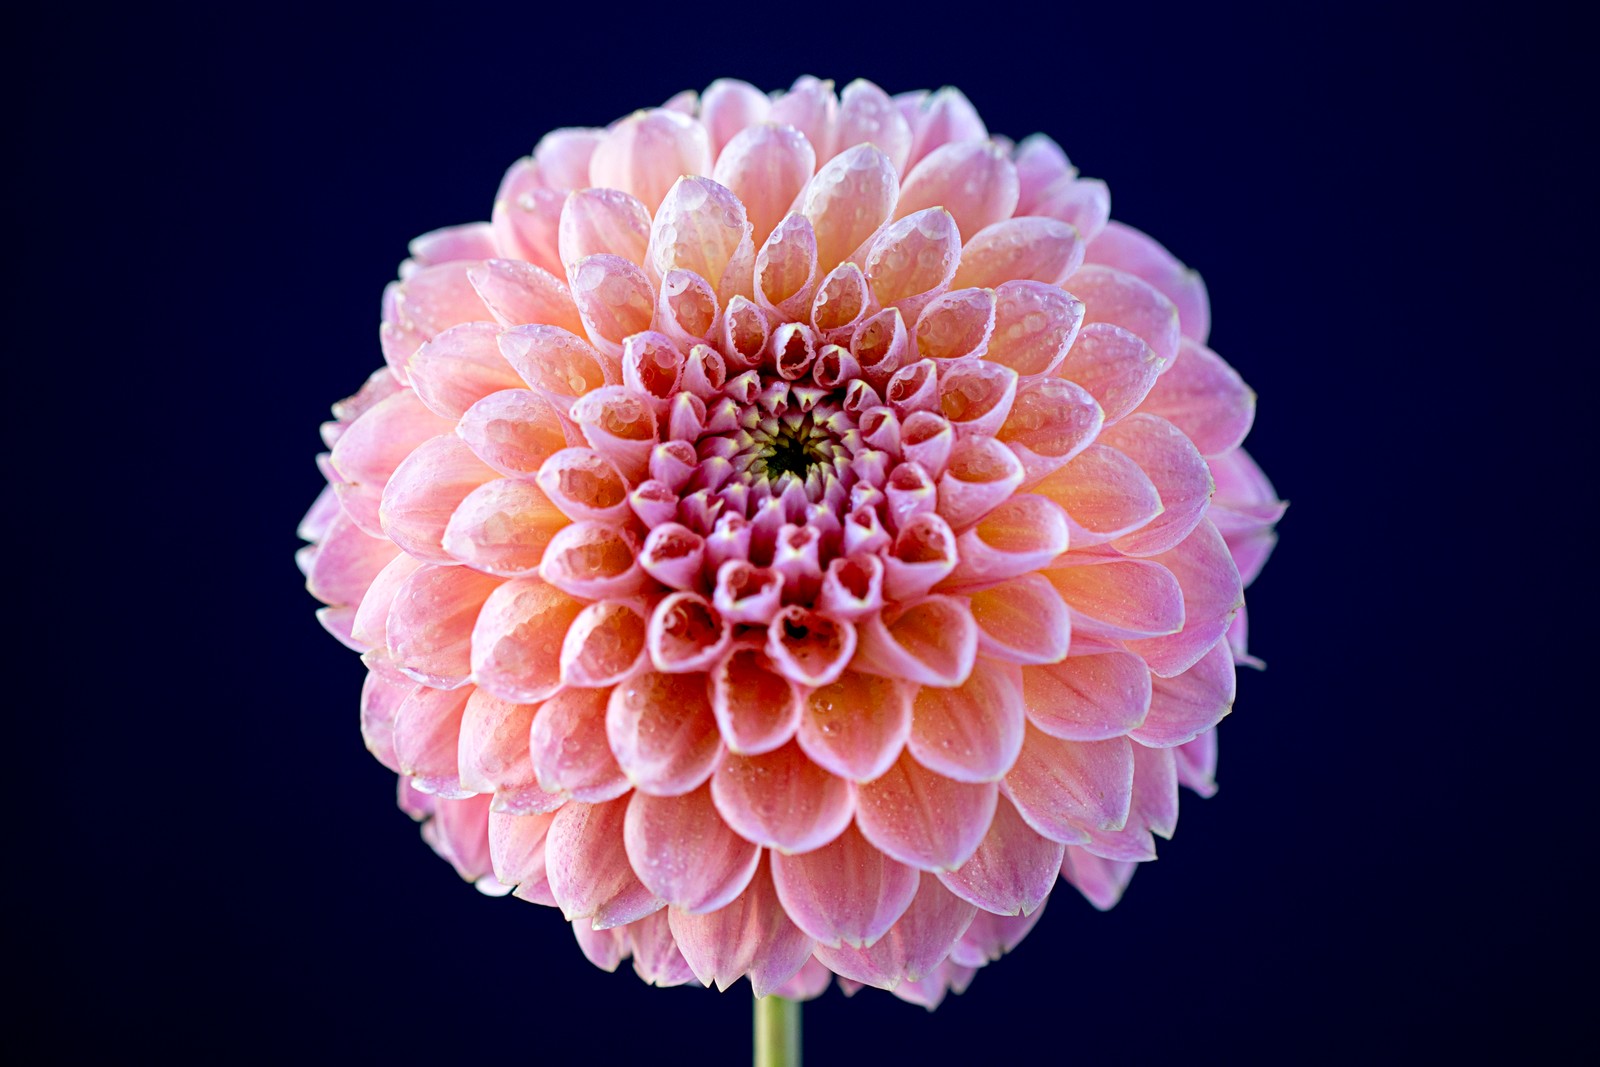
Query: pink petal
{"type": "Point", "coordinates": [594, 560]}
{"type": "Point", "coordinates": [1065, 789]}
{"type": "Point", "coordinates": [516, 292]}
{"type": "Point", "coordinates": [614, 297]}
{"type": "Point", "coordinates": [425, 491]}
{"type": "Point", "coordinates": [1178, 472]}
{"type": "Point", "coordinates": [923, 818]}
{"type": "Point", "coordinates": [656, 958]}
{"type": "Point", "coordinates": [1028, 249]}
{"type": "Point", "coordinates": [842, 302]}
{"type": "Point", "coordinates": [1021, 621]}
{"type": "Point", "coordinates": [866, 114]}
{"type": "Point", "coordinates": [371, 623]}
{"type": "Point", "coordinates": [753, 935]}
{"type": "Point", "coordinates": [663, 732]}
{"type": "Point", "coordinates": [917, 943]}
{"type": "Point", "coordinates": [603, 222]}
{"type": "Point", "coordinates": [1116, 366]}
{"type": "Point", "coordinates": [473, 240]}
{"type": "Point", "coordinates": [982, 473]}
{"type": "Point", "coordinates": [940, 118]}
{"type": "Point", "coordinates": [584, 485]}
{"type": "Point", "coordinates": [569, 748]}
{"type": "Point", "coordinates": [766, 167]}
{"type": "Point", "coordinates": [956, 325]}
{"type": "Point", "coordinates": [1051, 421]}
{"type": "Point", "coordinates": [372, 446]}
{"type": "Point", "coordinates": [912, 260]}
{"type": "Point", "coordinates": [856, 726]}
{"type": "Point", "coordinates": [430, 623]}
{"type": "Point", "coordinates": [1021, 535]}
{"type": "Point", "coordinates": [588, 868]}
{"type": "Point", "coordinates": [514, 431]}
{"type": "Point", "coordinates": [786, 268]}
{"type": "Point", "coordinates": [604, 644]}
{"type": "Point", "coordinates": [644, 154]}
{"type": "Point", "coordinates": [493, 752]}
{"type": "Point", "coordinates": [684, 853]}
{"type": "Point", "coordinates": [846, 892]}
{"type": "Point", "coordinates": [459, 367]}
{"type": "Point", "coordinates": [1013, 870]}
{"type": "Point", "coordinates": [516, 641]}
{"type": "Point", "coordinates": [974, 181]}
{"type": "Point", "coordinates": [811, 108]}
{"type": "Point", "coordinates": [686, 634]}
{"type": "Point", "coordinates": [550, 358]}
{"type": "Point", "coordinates": [1197, 764]}
{"type": "Point", "coordinates": [1205, 398]}
{"type": "Point", "coordinates": [1212, 594]}
{"type": "Point", "coordinates": [808, 647]}
{"type": "Point", "coordinates": [849, 198]}
{"type": "Point", "coordinates": [1105, 494]}
{"type": "Point", "coordinates": [932, 641]}
{"type": "Point", "coordinates": [1121, 299]}
{"type": "Point", "coordinates": [381, 696]}
{"type": "Point", "coordinates": [1034, 326]}
{"type": "Point", "coordinates": [427, 728]}
{"type": "Point", "coordinates": [973, 732]}
{"type": "Point", "coordinates": [699, 227]}
{"type": "Point", "coordinates": [563, 156]}
{"type": "Point", "coordinates": [1125, 248]}
{"type": "Point", "coordinates": [438, 297]}
{"type": "Point", "coordinates": [345, 561]}
{"type": "Point", "coordinates": [517, 850]}
{"type": "Point", "coordinates": [1100, 881]}
{"type": "Point", "coordinates": [1189, 704]}
{"type": "Point", "coordinates": [1085, 203]}
{"type": "Point", "coordinates": [502, 527]}
{"type": "Point", "coordinates": [1088, 698]}
{"type": "Point", "coordinates": [1117, 598]}
{"type": "Point", "coordinates": [607, 948]}
{"type": "Point", "coordinates": [728, 106]}
{"type": "Point", "coordinates": [526, 217]}
{"type": "Point", "coordinates": [1040, 164]}
{"type": "Point", "coordinates": [757, 708]}
{"type": "Point", "coordinates": [782, 800]}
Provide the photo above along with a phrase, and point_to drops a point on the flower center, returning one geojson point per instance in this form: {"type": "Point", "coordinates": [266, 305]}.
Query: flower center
{"type": "Point", "coordinates": [790, 450]}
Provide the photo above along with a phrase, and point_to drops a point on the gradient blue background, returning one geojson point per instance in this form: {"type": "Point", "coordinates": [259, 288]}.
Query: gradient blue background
{"type": "Point", "coordinates": [210, 865]}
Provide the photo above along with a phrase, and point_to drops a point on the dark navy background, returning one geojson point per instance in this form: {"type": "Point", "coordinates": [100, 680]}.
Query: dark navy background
{"type": "Point", "coordinates": [211, 866]}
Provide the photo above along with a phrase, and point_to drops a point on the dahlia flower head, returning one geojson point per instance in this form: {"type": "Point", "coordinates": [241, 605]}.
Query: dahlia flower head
{"type": "Point", "coordinates": [790, 534]}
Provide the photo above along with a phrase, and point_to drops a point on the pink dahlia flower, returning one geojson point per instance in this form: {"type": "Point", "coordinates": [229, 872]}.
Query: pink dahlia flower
{"type": "Point", "coordinates": [790, 534]}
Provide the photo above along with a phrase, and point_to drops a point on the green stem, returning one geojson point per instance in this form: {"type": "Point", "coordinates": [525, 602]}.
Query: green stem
{"type": "Point", "coordinates": [777, 1032]}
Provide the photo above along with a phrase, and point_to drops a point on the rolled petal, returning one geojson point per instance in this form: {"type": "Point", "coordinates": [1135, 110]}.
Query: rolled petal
{"type": "Point", "coordinates": [514, 431]}
{"type": "Point", "coordinates": [663, 732]}
{"type": "Point", "coordinates": [849, 198]}
{"type": "Point", "coordinates": [1116, 366]}
{"type": "Point", "coordinates": [1065, 789]}
{"type": "Point", "coordinates": [786, 269]}
{"type": "Point", "coordinates": [1088, 698]}
{"type": "Point", "coordinates": [845, 893]}
{"type": "Point", "coordinates": [686, 634]}
{"type": "Point", "coordinates": [753, 935]}
{"type": "Point", "coordinates": [922, 818]}
{"type": "Point", "coordinates": [593, 560]}
{"type": "Point", "coordinates": [782, 800]}
{"type": "Point", "coordinates": [912, 260]}
{"type": "Point", "coordinates": [604, 644]}
{"type": "Point", "coordinates": [516, 641]}
{"type": "Point", "coordinates": [684, 853]}
{"type": "Point", "coordinates": [614, 297]}
{"type": "Point", "coordinates": [868, 115]}
{"type": "Point", "coordinates": [842, 302]}
{"type": "Point", "coordinates": [756, 707]}
{"type": "Point", "coordinates": [621, 425]}
{"type": "Point", "coordinates": [856, 727]}
{"type": "Point", "coordinates": [1051, 421]}
{"type": "Point", "coordinates": [982, 473]}
{"type": "Point", "coordinates": [699, 227]}
{"type": "Point", "coordinates": [1013, 870]}
{"type": "Point", "coordinates": [590, 876]}
{"type": "Point", "coordinates": [569, 749]}
{"type": "Point", "coordinates": [1020, 536]}
{"type": "Point", "coordinates": [552, 359]}
{"type": "Point", "coordinates": [809, 647]}
{"type": "Point", "coordinates": [427, 731]}
{"type": "Point", "coordinates": [932, 641]}
{"type": "Point", "coordinates": [1035, 325]}
{"type": "Point", "coordinates": [956, 325]}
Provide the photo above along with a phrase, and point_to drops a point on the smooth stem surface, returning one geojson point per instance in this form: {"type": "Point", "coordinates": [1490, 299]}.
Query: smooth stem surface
{"type": "Point", "coordinates": [777, 1032]}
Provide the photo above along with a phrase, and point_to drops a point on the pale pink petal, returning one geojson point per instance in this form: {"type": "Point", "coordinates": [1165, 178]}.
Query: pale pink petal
{"type": "Point", "coordinates": [594, 560]}
{"type": "Point", "coordinates": [766, 167]}
{"type": "Point", "coordinates": [848, 199]}
{"type": "Point", "coordinates": [684, 853]}
{"type": "Point", "coordinates": [757, 708]}
{"type": "Point", "coordinates": [982, 473]}
{"type": "Point", "coordinates": [614, 298]}
{"type": "Point", "coordinates": [912, 260]}
{"type": "Point", "coordinates": [867, 115]}
{"type": "Point", "coordinates": [1110, 295]}
{"type": "Point", "coordinates": [917, 943]}
{"type": "Point", "coordinates": [728, 106]}
{"type": "Point", "coordinates": [1051, 421]}
{"type": "Point", "coordinates": [552, 359]}
{"type": "Point", "coordinates": [923, 818]}
{"type": "Point", "coordinates": [753, 935]}
{"type": "Point", "coordinates": [1104, 493]}
{"type": "Point", "coordinates": [810, 982]}
{"type": "Point", "coordinates": [1177, 470]}
{"type": "Point", "coordinates": [786, 269]}
{"type": "Point", "coordinates": [782, 800]}
{"type": "Point", "coordinates": [1021, 535]}
{"type": "Point", "coordinates": [371, 623]}
{"type": "Point", "coordinates": [607, 948]}
{"type": "Point", "coordinates": [842, 303]}
{"type": "Point", "coordinates": [810, 107]}
{"type": "Point", "coordinates": [1065, 789]}
{"type": "Point", "coordinates": [493, 751]}
{"type": "Point", "coordinates": [1088, 698]}
{"type": "Point", "coordinates": [1117, 598]}
{"type": "Point", "coordinates": [588, 868]}
{"type": "Point", "coordinates": [569, 749]}
{"type": "Point", "coordinates": [345, 561]}
{"type": "Point", "coordinates": [956, 325]}
{"type": "Point", "coordinates": [517, 852]}
{"type": "Point", "coordinates": [1197, 764]}
{"type": "Point", "coordinates": [1013, 870]}
{"type": "Point", "coordinates": [856, 726]}
{"type": "Point", "coordinates": [425, 491]}
{"type": "Point", "coordinates": [430, 623]}
{"type": "Point", "coordinates": [656, 958]}
{"type": "Point", "coordinates": [370, 449]}
{"type": "Point", "coordinates": [686, 634]}
{"type": "Point", "coordinates": [474, 240]}
{"type": "Point", "coordinates": [427, 729]}
{"type": "Point", "coordinates": [502, 527]}
{"type": "Point", "coordinates": [1189, 704]}
{"type": "Point", "coordinates": [514, 431]}
{"type": "Point", "coordinates": [808, 647]}
{"type": "Point", "coordinates": [459, 367]}
{"type": "Point", "coordinates": [662, 731]}
{"type": "Point", "coordinates": [1021, 621]}
{"type": "Point", "coordinates": [973, 732]}
{"type": "Point", "coordinates": [516, 641]}
{"type": "Point", "coordinates": [698, 228]}
{"type": "Point", "coordinates": [646, 152]}
{"type": "Point", "coordinates": [563, 156]}
{"type": "Point", "coordinates": [1035, 326]}
{"type": "Point", "coordinates": [1212, 594]}
{"type": "Point", "coordinates": [1027, 249]}
{"type": "Point", "coordinates": [381, 696]}
{"type": "Point", "coordinates": [1120, 245]}
{"type": "Point", "coordinates": [940, 118]}
{"type": "Point", "coordinates": [1040, 164]}
{"type": "Point", "coordinates": [932, 641]}
{"type": "Point", "coordinates": [603, 222]}
{"type": "Point", "coordinates": [1100, 881]}
{"type": "Point", "coordinates": [846, 892]}
{"type": "Point", "coordinates": [974, 181]}
{"type": "Point", "coordinates": [516, 292]}
{"type": "Point", "coordinates": [436, 298]}
{"type": "Point", "coordinates": [1114, 365]}
{"type": "Point", "coordinates": [527, 217]}
{"type": "Point", "coordinates": [1084, 203]}
{"type": "Point", "coordinates": [1205, 398]}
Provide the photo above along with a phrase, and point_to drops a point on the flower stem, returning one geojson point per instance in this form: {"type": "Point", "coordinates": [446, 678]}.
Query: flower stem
{"type": "Point", "coordinates": [777, 1032]}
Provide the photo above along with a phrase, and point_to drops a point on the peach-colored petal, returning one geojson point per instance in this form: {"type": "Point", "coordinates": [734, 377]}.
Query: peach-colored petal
{"type": "Point", "coordinates": [588, 868]}
{"type": "Point", "coordinates": [1064, 789]}
{"type": "Point", "coordinates": [783, 800]}
{"type": "Point", "coordinates": [684, 853]}
{"type": "Point", "coordinates": [922, 818]}
{"type": "Point", "coordinates": [663, 732]}
{"type": "Point", "coordinates": [915, 945]}
{"type": "Point", "coordinates": [753, 935]}
{"type": "Point", "coordinates": [856, 726]}
{"type": "Point", "coordinates": [974, 181]}
{"type": "Point", "coordinates": [1013, 870]}
{"type": "Point", "coordinates": [848, 199]}
{"type": "Point", "coordinates": [1088, 698]}
{"type": "Point", "coordinates": [972, 732]}
{"type": "Point", "coordinates": [766, 167]}
{"type": "Point", "coordinates": [644, 154]}
{"type": "Point", "coordinates": [430, 624]}
{"type": "Point", "coordinates": [846, 892]}
{"type": "Point", "coordinates": [516, 640]}
{"type": "Point", "coordinates": [1021, 621]}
